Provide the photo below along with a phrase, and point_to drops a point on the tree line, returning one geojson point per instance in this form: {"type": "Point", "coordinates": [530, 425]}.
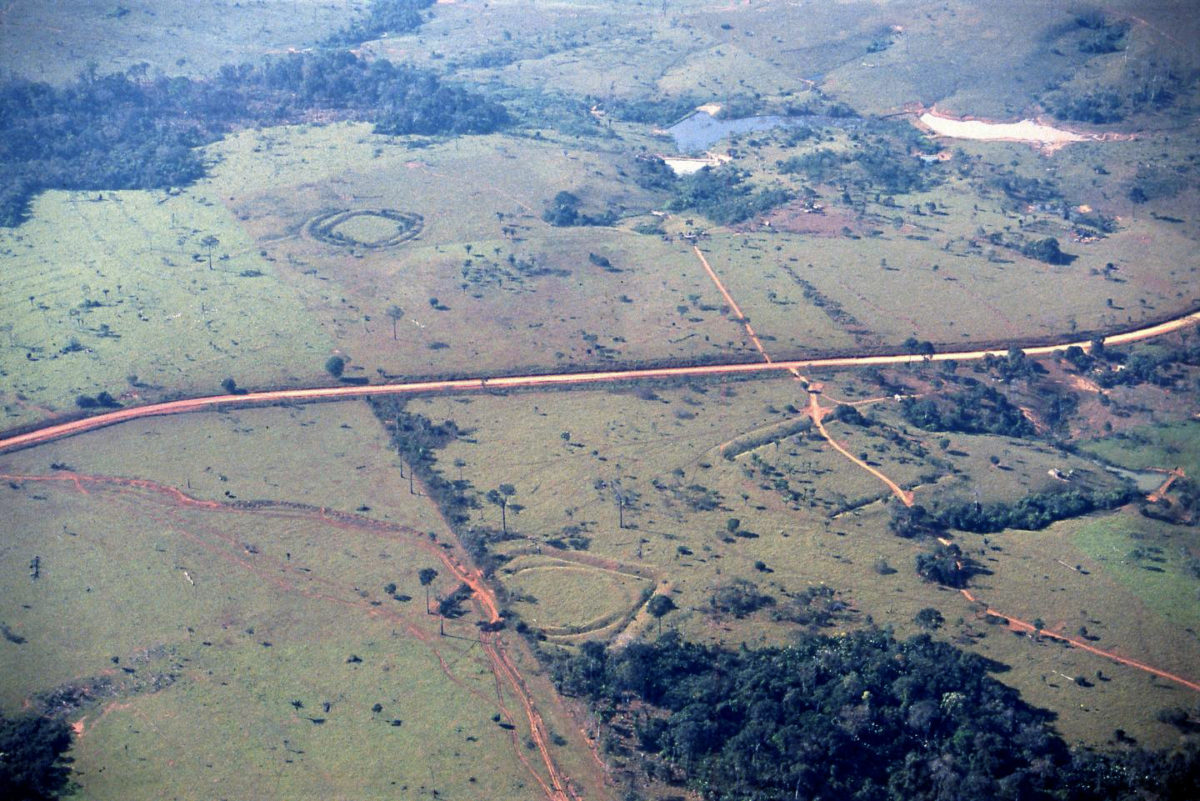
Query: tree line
{"type": "Point", "coordinates": [1033, 512]}
{"type": "Point", "coordinates": [135, 131]}
{"type": "Point", "coordinates": [1161, 365]}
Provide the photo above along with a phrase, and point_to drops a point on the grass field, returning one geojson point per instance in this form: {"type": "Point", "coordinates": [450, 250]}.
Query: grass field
{"type": "Point", "coordinates": [563, 599]}
{"type": "Point", "coordinates": [1151, 561]}
{"type": "Point", "coordinates": [56, 42]}
{"type": "Point", "coordinates": [218, 582]}
{"type": "Point", "coordinates": [511, 290]}
{"type": "Point", "coordinates": [221, 617]}
{"type": "Point", "coordinates": [113, 292]}
{"type": "Point", "coordinates": [685, 493]}
{"type": "Point", "coordinates": [1165, 446]}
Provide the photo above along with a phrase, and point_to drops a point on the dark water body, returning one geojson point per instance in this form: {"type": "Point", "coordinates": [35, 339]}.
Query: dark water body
{"type": "Point", "coordinates": [700, 131]}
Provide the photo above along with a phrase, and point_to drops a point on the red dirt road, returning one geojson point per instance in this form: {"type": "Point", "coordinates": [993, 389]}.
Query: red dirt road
{"type": "Point", "coordinates": [1016, 624]}
{"type": "Point", "coordinates": [285, 578]}
{"type": "Point", "coordinates": [53, 432]}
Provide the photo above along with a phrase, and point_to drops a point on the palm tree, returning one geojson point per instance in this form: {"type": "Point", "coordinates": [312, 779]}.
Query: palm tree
{"type": "Point", "coordinates": [426, 575]}
{"type": "Point", "coordinates": [394, 312]}
{"type": "Point", "coordinates": [500, 497]}
{"type": "Point", "coordinates": [210, 242]}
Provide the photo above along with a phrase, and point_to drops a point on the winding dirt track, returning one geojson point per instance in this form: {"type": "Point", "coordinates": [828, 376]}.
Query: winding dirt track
{"type": "Point", "coordinates": [53, 432]}
{"type": "Point", "coordinates": [1016, 624]}
{"type": "Point", "coordinates": [284, 577]}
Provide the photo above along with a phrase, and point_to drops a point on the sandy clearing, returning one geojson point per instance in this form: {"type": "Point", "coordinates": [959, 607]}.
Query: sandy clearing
{"type": "Point", "coordinates": [1024, 131]}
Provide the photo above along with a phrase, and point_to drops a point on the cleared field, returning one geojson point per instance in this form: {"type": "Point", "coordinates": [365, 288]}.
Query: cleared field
{"type": "Point", "coordinates": [140, 294]}
{"type": "Point", "coordinates": [240, 636]}
{"type": "Point", "coordinates": [1164, 446]}
{"type": "Point", "coordinates": [1153, 561]}
{"type": "Point", "coordinates": [55, 42]}
{"type": "Point", "coordinates": [570, 455]}
{"type": "Point", "coordinates": [495, 286]}
{"type": "Point", "coordinates": [904, 272]}
{"type": "Point", "coordinates": [1117, 609]}
{"type": "Point", "coordinates": [228, 603]}
{"type": "Point", "coordinates": [561, 598]}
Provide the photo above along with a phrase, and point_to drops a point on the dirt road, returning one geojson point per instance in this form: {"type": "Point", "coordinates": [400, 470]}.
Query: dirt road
{"type": "Point", "coordinates": [60, 430]}
{"type": "Point", "coordinates": [1025, 627]}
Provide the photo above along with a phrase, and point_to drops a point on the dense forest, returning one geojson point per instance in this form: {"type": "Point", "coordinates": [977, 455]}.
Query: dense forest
{"type": "Point", "coordinates": [135, 131]}
{"type": "Point", "coordinates": [722, 195]}
{"type": "Point", "coordinates": [1033, 512]}
{"type": "Point", "coordinates": [862, 716]}
{"type": "Point", "coordinates": [980, 409]}
{"type": "Point", "coordinates": [32, 767]}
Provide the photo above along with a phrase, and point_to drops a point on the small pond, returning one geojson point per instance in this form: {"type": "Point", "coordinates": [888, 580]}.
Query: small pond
{"type": "Point", "coordinates": [700, 131]}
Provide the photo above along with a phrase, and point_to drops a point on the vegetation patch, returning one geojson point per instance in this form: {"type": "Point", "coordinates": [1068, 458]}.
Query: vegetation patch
{"type": "Point", "coordinates": [127, 131]}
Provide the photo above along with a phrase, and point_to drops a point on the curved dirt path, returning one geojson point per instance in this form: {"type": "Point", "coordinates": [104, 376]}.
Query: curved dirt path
{"type": "Point", "coordinates": [817, 411]}
{"type": "Point", "coordinates": [60, 430]}
{"type": "Point", "coordinates": [283, 577]}
{"type": "Point", "coordinates": [559, 787]}
{"type": "Point", "coordinates": [1016, 624]}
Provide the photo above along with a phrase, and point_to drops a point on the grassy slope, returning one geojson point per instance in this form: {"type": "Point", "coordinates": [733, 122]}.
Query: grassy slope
{"type": "Point", "coordinates": [160, 313]}
{"type": "Point", "coordinates": [273, 181]}
{"type": "Point", "coordinates": [113, 584]}
{"type": "Point", "coordinates": [55, 42]}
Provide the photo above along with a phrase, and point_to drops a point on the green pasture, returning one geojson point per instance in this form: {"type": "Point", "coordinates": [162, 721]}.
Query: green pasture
{"type": "Point", "coordinates": [113, 292]}
{"type": "Point", "coordinates": [511, 291]}
{"type": "Point", "coordinates": [212, 632]}
{"type": "Point", "coordinates": [290, 630]}
{"type": "Point", "coordinates": [54, 42]}
{"type": "Point", "coordinates": [1153, 560]}
{"type": "Point", "coordinates": [934, 275]}
{"type": "Point", "coordinates": [1163, 446]}
{"type": "Point", "coordinates": [1077, 574]}
{"type": "Point", "coordinates": [559, 597]}
{"type": "Point", "coordinates": [328, 454]}
{"type": "Point", "coordinates": [226, 616]}
{"type": "Point", "coordinates": [567, 454]}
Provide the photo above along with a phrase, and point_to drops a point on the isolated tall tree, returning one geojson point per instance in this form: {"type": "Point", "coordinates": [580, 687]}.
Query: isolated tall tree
{"type": "Point", "coordinates": [500, 497]}
{"type": "Point", "coordinates": [426, 575]}
{"type": "Point", "coordinates": [658, 606]}
{"type": "Point", "coordinates": [624, 497]}
{"type": "Point", "coordinates": [395, 313]}
{"type": "Point", "coordinates": [210, 242]}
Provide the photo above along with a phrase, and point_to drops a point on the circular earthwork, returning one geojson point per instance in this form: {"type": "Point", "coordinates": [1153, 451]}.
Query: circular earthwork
{"type": "Point", "coordinates": [372, 229]}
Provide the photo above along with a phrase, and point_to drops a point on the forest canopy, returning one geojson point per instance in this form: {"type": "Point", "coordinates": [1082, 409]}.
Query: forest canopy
{"type": "Point", "coordinates": [862, 716]}
{"type": "Point", "coordinates": [32, 767]}
{"type": "Point", "coordinates": [134, 131]}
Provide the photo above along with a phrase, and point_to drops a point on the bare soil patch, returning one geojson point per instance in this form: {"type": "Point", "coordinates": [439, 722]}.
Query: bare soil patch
{"type": "Point", "coordinates": [796, 220]}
